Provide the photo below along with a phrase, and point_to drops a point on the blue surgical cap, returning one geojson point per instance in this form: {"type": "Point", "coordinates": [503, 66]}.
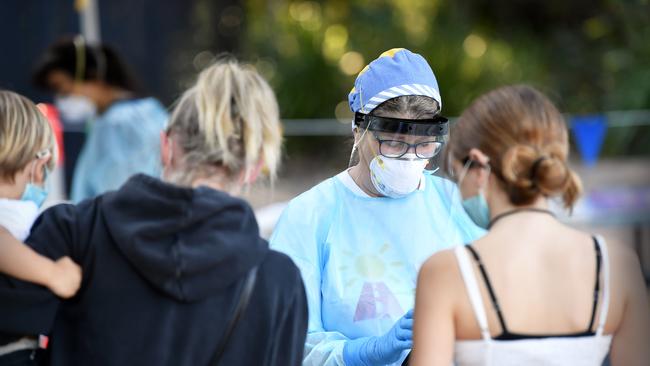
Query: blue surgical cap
{"type": "Point", "coordinates": [394, 73]}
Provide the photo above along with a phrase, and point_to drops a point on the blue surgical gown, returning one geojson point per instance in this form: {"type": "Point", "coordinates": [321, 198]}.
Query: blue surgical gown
{"type": "Point", "coordinates": [359, 256]}
{"type": "Point", "coordinates": [121, 142]}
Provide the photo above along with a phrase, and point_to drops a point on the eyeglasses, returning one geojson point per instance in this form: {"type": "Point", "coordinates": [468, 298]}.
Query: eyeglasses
{"type": "Point", "coordinates": [397, 149]}
{"type": "Point", "coordinates": [467, 164]}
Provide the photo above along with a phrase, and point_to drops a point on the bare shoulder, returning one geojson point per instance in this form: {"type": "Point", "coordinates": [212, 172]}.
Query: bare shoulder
{"type": "Point", "coordinates": [625, 265]}
{"type": "Point", "coordinates": [621, 253]}
{"type": "Point", "coordinates": [628, 290]}
{"type": "Point", "coordinates": [440, 268]}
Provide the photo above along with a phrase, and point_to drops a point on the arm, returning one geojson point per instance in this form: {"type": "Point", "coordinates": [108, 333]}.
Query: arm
{"type": "Point", "coordinates": [299, 233]}
{"type": "Point", "coordinates": [62, 277]}
{"type": "Point", "coordinates": [302, 233]}
{"type": "Point", "coordinates": [433, 329]}
{"type": "Point", "coordinates": [630, 342]}
{"type": "Point", "coordinates": [116, 150]}
{"type": "Point", "coordinates": [31, 309]}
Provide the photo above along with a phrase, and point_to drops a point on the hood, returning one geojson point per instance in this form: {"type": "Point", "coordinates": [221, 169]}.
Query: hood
{"type": "Point", "coordinates": [187, 243]}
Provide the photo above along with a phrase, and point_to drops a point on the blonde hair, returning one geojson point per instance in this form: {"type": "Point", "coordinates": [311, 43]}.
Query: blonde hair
{"type": "Point", "coordinates": [228, 119]}
{"type": "Point", "coordinates": [526, 139]}
{"type": "Point", "coordinates": [24, 132]}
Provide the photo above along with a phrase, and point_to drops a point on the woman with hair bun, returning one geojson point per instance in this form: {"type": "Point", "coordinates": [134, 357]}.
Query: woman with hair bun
{"type": "Point", "coordinates": [533, 291]}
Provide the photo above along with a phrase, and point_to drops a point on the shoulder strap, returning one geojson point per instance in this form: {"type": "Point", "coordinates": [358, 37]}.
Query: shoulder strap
{"type": "Point", "coordinates": [473, 291]}
{"type": "Point", "coordinates": [488, 284]}
{"type": "Point", "coordinates": [597, 286]}
{"type": "Point", "coordinates": [602, 317]}
{"type": "Point", "coordinates": [244, 298]}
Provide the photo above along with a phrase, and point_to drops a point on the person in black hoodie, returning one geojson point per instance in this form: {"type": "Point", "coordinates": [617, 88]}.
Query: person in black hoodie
{"type": "Point", "coordinates": [167, 262]}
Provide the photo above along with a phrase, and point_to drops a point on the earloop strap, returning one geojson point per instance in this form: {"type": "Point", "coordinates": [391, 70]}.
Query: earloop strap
{"type": "Point", "coordinates": [80, 57]}
{"type": "Point", "coordinates": [488, 168]}
{"type": "Point", "coordinates": [464, 172]}
{"type": "Point", "coordinates": [43, 154]}
{"type": "Point", "coordinates": [356, 144]}
{"type": "Point", "coordinates": [431, 172]}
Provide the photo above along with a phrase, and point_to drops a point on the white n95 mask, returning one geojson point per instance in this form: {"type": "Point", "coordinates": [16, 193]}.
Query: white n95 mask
{"type": "Point", "coordinates": [397, 177]}
{"type": "Point", "coordinates": [75, 108]}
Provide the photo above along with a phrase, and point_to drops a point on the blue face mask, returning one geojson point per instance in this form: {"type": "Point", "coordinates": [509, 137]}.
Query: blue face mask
{"type": "Point", "coordinates": [477, 209]}
{"type": "Point", "coordinates": [476, 206]}
{"type": "Point", "coordinates": [35, 193]}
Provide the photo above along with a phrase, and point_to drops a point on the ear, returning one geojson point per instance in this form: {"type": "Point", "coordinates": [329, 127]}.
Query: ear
{"type": "Point", "coordinates": [254, 173]}
{"type": "Point", "coordinates": [483, 173]}
{"type": "Point", "coordinates": [165, 157]}
{"type": "Point", "coordinates": [38, 170]}
{"type": "Point", "coordinates": [478, 156]}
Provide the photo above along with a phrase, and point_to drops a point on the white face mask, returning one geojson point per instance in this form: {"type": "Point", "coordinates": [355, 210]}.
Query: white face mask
{"type": "Point", "coordinates": [18, 217]}
{"type": "Point", "coordinates": [75, 108]}
{"type": "Point", "coordinates": [397, 178]}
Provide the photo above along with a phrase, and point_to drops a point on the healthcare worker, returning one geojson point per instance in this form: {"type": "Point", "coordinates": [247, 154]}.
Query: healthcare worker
{"type": "Point", "coordinates": [360, 237]}
{"type": "Point", "coordinates": [92, 85]}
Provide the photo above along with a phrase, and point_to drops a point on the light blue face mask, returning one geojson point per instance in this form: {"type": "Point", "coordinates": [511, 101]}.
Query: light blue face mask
{"type": "Point", "coordinates": [33, 192]}
{"type": "Point", "coordinates": [477, 209]}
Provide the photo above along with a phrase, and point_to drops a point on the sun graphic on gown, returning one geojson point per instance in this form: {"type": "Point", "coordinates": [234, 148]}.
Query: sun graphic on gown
{"type": "Point", "coordinates": [375, 272]}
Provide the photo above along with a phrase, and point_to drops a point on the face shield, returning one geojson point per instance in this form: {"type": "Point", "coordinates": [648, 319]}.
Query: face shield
{"type": "Point", "coordinates": [400, 150]}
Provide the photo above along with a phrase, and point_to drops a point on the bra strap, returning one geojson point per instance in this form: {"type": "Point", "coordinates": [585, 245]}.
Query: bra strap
{"type": "Point", "coordinates": [602, 317]}
{"type": "Point", "coordinates": [473, 291]}
{"type": "Point", "coordinates": [488, 284]}
{"type": "Point", "coordinates": [597, 285]}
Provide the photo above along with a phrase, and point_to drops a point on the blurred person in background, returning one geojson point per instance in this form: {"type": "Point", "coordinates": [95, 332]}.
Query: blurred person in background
{"type": "Point", "coordinates": [28, 153]}
{"type": "Point", "coordinates": [533, 291]}
{"type": "Point", "coordinates": [360, 237]}
{"type": "Point", "coordinates": [175, 272]}
{"type": "Point", "coordinates": [92, 85]}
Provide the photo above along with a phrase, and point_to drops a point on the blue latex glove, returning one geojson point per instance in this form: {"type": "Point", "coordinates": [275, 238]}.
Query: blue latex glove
{"type": "Point", "coordinates": [382, 350]}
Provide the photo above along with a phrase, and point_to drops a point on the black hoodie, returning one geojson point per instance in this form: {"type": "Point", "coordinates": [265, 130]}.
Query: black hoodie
{"type": "Point", "coordinates": [163, 267]}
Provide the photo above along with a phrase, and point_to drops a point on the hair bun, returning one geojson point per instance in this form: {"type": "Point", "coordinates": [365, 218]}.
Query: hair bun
{"type": "Point", "coordinates": [526, 140]}
{"type": "Point", "coordinates": [516, 165]}
{"type": "Point", "coordinates": [528, 171]}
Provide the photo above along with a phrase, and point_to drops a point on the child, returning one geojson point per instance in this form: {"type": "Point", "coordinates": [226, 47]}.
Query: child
{"type": "Point", "coordinates": [27, 153]}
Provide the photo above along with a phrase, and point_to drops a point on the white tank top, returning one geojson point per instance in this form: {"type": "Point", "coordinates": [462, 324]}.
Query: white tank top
{"type": "Point", "coordinates": [587, 350]}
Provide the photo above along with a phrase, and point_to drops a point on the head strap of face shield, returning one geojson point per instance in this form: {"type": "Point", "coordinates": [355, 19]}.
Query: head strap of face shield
{"type": "Point", "coordinates": [436, 126]}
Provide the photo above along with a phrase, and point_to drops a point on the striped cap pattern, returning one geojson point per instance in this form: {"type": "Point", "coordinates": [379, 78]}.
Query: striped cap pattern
{"type": "Point", "coordinates": [398, 91]}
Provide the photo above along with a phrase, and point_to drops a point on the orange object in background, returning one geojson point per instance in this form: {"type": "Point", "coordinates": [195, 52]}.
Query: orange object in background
{"type": "Point", "coordinates": [52, 116]}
